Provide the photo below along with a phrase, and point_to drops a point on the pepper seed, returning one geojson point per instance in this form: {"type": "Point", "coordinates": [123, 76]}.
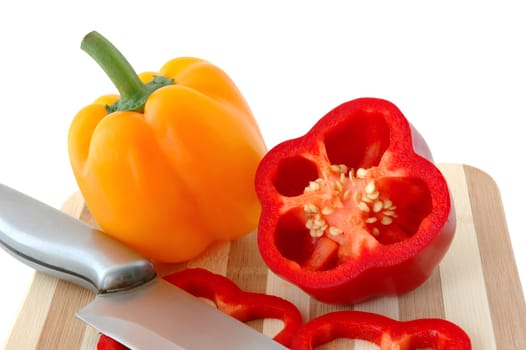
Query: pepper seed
{"type": "Point", "coordinates": [364, 207]}
{"type": "Point", "coordinates": [386, 220]}
{"type": "Point", "coordinates": [335, 231]}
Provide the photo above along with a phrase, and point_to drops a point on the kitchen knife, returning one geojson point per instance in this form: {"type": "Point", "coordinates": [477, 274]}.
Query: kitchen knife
{"type": "Point", "coordinates": [133, 305]}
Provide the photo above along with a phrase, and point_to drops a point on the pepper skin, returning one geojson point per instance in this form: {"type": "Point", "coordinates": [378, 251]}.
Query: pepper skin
{"type": "Point", "coordinates": [385, 332]}
{"type": "Point", "coordinates": [355, 208]}
{"type": "Point", "coordinates": [107, 343]}
{"type": "Point", "coordinates": [175, 173]}
{"type": "Point", "coordinates": [231, 300]}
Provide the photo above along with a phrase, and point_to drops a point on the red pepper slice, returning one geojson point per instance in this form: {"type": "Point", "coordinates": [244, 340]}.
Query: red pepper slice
{"type": "Point", "coordinates": [233, 301]}
{"type": "Point", "coordinates": [385, 332]}
{"type": "Point", "coordinates": [107, 343]}
{"type": "Point", "coordinates": [242, 305]}
{"type": "Point", "coordinates": [355, 208]}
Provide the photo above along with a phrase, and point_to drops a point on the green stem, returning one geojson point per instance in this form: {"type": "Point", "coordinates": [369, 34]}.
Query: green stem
{"type": "Point", "coordinates": [132, 90]}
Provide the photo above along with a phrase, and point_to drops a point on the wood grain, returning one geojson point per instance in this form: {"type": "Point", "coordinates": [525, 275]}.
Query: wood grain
{"type": "Point", "coordinates": [476, 285]}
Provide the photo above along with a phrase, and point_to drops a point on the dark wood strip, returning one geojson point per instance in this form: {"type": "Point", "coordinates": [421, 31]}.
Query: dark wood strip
{"type": "Point", "coordinates": [425, 301]}
{"type": "Point", "coordinates": [62, 330]}
{"type": "Point", "coordinates": [503, 287]}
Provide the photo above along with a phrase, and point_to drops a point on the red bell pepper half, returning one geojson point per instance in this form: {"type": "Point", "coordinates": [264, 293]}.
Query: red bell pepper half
{"type": "Point", "coordinates": [230, 299]}
{"type": "Point", "coordinates": [355, 208]}
{"type": "Point", "coordinates": [388, 334]}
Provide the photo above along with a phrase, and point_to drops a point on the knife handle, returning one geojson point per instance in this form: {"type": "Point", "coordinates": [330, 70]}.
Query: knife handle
{"type": "Point", "coordinates": [58, 244]}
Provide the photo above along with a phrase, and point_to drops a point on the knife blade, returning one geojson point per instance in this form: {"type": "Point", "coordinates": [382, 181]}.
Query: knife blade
{"type": "Point", "coordinates": [133, 304]}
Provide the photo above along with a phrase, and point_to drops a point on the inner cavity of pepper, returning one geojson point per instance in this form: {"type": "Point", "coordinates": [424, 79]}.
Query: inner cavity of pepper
{"type": "Point", "coordinates": [343, 211]}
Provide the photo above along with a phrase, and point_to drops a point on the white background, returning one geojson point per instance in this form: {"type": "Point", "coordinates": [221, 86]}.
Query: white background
{"type": "Point", "coordinates": [457, 70]}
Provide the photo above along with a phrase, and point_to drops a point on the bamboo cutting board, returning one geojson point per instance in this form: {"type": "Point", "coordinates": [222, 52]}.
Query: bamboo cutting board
{"type": "Point", "coordinates": [476, 285]}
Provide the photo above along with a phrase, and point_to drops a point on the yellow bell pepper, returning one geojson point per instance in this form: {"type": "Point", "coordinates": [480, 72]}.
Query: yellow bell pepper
{"type": "Point", "coordinates": [168, 166]}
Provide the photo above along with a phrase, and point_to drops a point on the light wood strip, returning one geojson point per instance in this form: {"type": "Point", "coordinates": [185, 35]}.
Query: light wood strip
{"type": "Point", "coordinates": [387, 306]}
{"type": "Point", "coordinates": [284, 289]}
{"type": "Point", "coordinates": [30, 322]}
{"type": "Point", "coordinates": [461, 271]}
{"type": "Point", "coordinates": [505, 295]}
{"type": "Point", "coordinates": [89, 339]}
